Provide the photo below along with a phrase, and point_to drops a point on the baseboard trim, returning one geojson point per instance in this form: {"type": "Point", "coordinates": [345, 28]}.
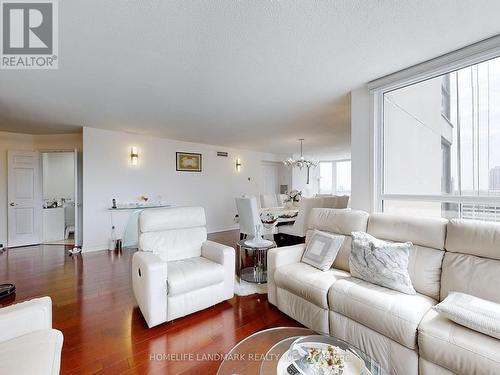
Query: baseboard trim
{"type": "Point", "coordinates": [90, 249]}
{"type": "Point", "coordinates": [224, 229]}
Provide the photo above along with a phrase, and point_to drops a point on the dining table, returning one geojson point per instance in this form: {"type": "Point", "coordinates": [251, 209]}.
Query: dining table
{"type": "Point", "coordinates": [285, 215]}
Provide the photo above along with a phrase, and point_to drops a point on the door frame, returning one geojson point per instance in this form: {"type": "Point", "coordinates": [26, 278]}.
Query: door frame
{"type": "Point", "coordinates": [78, 185]}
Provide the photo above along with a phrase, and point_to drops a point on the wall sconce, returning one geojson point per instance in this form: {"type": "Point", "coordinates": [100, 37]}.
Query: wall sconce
{"type": "Point", "coordinates": [238, 164]}
{"type": "Point", "coordinates": [134, 156]}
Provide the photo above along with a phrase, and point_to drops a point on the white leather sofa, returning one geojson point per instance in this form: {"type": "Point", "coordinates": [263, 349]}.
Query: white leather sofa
{"type": "Point", "coordinates": [400, 331]}
{"type": "Point", "coordinates": [301, 291]}
{"type": "Point", "coordinates": [176, 270]}
{"type": "Point", "coordinates": [471, 265]}
{"type": "Point", "coordinates": [28, 344]}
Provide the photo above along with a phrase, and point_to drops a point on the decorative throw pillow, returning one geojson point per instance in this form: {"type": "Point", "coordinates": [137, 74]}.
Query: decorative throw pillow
{"type": "Point", "coordinates": [322, 249]}
{"type": "Point", "coordinates": [475, 313]}
{"type": "Point", "coordinates": [381, 262]}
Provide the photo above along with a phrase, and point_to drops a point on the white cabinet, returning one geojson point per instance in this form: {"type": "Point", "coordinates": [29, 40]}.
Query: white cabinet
{"type": "Point", "coordinates": [53, 224]}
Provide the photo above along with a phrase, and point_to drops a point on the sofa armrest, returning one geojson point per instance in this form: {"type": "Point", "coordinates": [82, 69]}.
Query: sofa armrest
{"type": "Point", "coordinates": [149, 282]}
{"type": "Point", "coordinates": [25, 317]}
{"type": "Point", "coordinates": [279, 257]}
{"type": "Point", "coordinates": [217, 252]}
{"type": "Point", "coordinates": [224, 255]}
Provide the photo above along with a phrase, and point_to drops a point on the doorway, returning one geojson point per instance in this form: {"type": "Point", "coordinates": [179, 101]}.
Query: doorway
{"type": "Point", "coordinates": [58, 197]}
{"type": "Point", "coordinates": [45, 198]}
{"type": "Point", "coordinates": [271, 177]}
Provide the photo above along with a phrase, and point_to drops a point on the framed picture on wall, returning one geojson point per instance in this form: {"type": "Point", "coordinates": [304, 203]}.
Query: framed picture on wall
{"type": "Point", "coordinates": [188, 162]}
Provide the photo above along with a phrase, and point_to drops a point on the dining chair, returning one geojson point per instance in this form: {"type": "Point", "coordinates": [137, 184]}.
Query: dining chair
{"type": "Point", "coordinates": [282, 199]}
{"type": "Point", "coordinates": [342, 201]}
{"type": "Point", "coordinates": [329, 201]}
{"type": "Point", "coordinates": [334, 201]}
{"type": "Point", "coordinates": [269, 200]}
{"type": "Point", "coordinates": [297, 231]}
{"type": "Point", "coordinates": [248, 214]}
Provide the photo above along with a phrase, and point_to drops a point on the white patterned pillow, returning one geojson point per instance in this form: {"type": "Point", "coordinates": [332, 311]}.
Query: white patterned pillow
{"type": "Point", "coordinates": [322, 249]}
{"type": "Point", "coordinates": [475, 313]}
{"type": "Point", "coordinates": [381, 262]}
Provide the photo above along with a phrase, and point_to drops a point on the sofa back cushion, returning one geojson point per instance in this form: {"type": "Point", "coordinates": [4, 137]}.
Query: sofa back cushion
{"type": "Point", "coordinates": [342, 222]}
{"type": "Point", "coordinates": [472, 237]}
{"type": "Point", "coordinates": [428, 237]}
{"type": "Point", "coordinates": [472, 261]}
{"type": "Point", "coordinates": [173, 233]}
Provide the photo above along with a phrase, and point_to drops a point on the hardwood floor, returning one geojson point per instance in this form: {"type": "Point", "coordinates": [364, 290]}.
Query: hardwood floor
{"type": "Point", "coordinates": [104, 331]}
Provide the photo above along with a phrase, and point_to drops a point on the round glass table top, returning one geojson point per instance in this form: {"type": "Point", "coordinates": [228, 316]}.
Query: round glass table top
{"type": "Point", "coordinates": [267, 352]}
{"type": "Point", "coordinates": [250, 244]}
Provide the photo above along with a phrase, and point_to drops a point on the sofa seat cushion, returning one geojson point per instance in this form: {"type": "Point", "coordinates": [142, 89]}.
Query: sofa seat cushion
{"type": "Point", "coordinates": [308, 282]}
{"type": "Point", "coordinates": [38, 352]}
{"type": "Point", "coordinates": [457, 348]}
{"type": "Point", "coordinates": [190, 274]}
{"type": "Point", "coordinates": [388, 312]}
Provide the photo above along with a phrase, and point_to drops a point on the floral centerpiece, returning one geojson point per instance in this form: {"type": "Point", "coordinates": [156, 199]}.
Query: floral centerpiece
{"type": "Point", "coordinates": [294, 196]}
{"type": "Point", "coordinates": [268, 219]}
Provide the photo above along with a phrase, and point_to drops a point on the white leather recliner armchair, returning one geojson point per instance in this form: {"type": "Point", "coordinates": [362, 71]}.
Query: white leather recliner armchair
{"type": "Point", "coordinates": [177, 271]}
{"type": "Point", "coordinates": [28, 343]}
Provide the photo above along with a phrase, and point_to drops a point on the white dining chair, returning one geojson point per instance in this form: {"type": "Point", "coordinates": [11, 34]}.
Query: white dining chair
{"type": "Point", "coordinates": [329, 201]}
{"type": "Point", "coordinates": [282, 199]}
{"type": "Point", "coordinates": [342, 201]}
{"type": "Point", "coordinates": [334, 201]}
{"type": "Point", "coordinates": [269, 200]}
{"type": "Point", "coordinates": [299, 227]}
{"type": "Point", "coordinates": [248, 214]}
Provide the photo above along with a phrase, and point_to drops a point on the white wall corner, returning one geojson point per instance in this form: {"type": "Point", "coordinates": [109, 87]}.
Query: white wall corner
{"type": "Point", "coordinates": [362, 153]}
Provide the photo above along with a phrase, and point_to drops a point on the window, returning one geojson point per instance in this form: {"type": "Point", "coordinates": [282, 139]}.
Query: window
{"type": "Point", "coordinates": [441, 145]}
{"type": "Point", "coordinates": [343, 178]}
{"type": "Point", "coordinates": [446, 97]}
{"type": "Point", "coordinates": [335, 177]}
{"type": "Point", "coordinates": [325, 177]}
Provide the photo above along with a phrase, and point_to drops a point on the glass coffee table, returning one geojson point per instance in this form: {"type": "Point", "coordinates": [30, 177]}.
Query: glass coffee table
{"type": "Point", "coordinates": [267, 353]}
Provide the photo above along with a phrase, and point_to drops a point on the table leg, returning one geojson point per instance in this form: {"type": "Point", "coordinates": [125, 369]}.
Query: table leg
{"type": "Point", "coordinates": [238, 262]}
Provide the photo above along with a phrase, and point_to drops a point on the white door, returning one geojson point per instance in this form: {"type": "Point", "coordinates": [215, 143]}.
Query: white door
{"type": "Point", "coordinates": [271, 183]}
{"type": "Point", "coordinates": [78, 198]}
{"type": "Point", "coordinates": [24, 198]}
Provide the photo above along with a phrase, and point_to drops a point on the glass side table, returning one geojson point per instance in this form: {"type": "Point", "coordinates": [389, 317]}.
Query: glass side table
{"type": "Point", "coordinates": [257, 273]}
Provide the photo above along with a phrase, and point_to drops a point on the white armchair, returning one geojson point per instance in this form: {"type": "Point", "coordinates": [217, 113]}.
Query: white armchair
{"type": "Point", "coordinates": [28, 344]}
{"type": "Point", "coordinates": [177, 271]}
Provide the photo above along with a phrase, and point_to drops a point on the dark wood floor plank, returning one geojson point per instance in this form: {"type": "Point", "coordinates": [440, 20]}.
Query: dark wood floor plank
{"type": "Point", "coordinates": [104, 331]}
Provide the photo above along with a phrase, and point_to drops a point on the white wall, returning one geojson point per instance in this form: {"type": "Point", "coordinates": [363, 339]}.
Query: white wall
{"type": "Point", "coordinates": [27, 142]}
{"type": "Point", "coordinates": [58, 170]}
{"type": "Point", "coordinates": [284, 174]}
{"type": "Point", "coordinates": [299, 181]}
{"type": "Point", "coordinates": [361, 151]}
{"type": "Point", "coordinates": [58, 142]}
{"type": "Point", "coordinates": [107, 174]}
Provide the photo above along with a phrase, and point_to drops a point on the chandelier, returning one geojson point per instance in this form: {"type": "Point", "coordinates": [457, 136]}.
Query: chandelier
{"type": "Point", "coordinates": [301, 162]}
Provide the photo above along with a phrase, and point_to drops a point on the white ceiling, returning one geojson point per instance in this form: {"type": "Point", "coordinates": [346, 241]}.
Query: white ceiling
{"type": "Point", "coordinates": [249, 74]}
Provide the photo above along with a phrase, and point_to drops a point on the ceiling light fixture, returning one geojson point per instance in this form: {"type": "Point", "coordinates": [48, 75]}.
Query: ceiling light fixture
{"type": "Point", "coordinates": [301, 162]}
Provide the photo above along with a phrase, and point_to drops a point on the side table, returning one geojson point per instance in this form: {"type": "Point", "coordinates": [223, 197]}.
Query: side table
{"type": "Point", "coordinates": [258, 272]}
